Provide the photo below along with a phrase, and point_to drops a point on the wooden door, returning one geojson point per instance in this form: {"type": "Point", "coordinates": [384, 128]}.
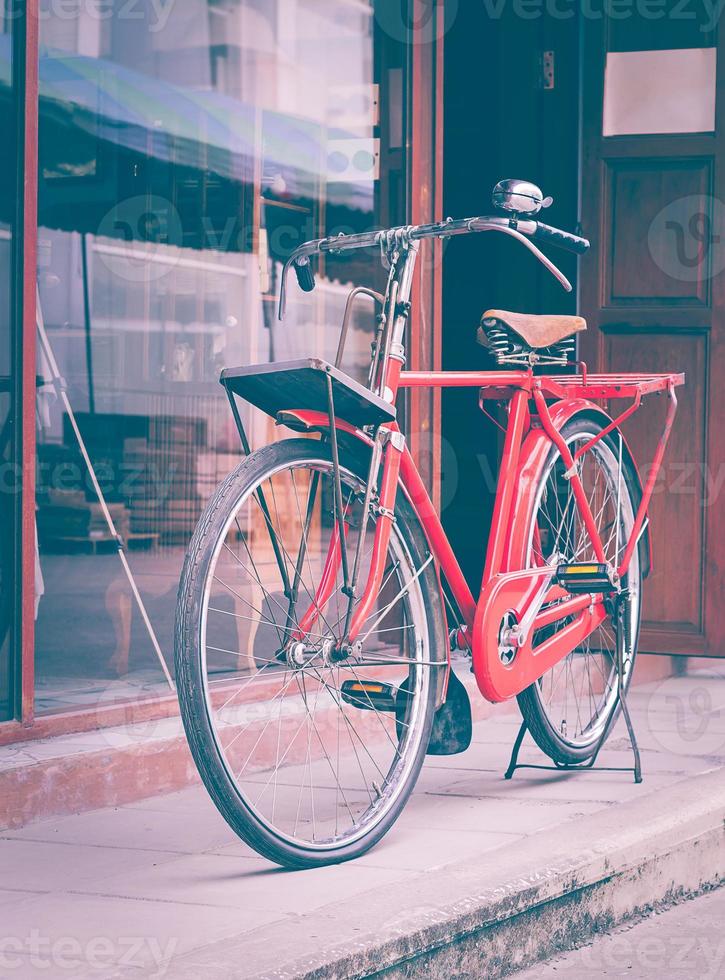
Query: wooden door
{"type": "Point", "coordinates": [653, 289]}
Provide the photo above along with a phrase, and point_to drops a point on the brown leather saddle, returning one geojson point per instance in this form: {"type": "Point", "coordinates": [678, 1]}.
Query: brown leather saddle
{"type": "Point", "coordinates": [527, 338]}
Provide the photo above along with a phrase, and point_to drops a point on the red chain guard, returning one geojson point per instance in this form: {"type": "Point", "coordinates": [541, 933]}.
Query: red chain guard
{"type": "Point", "coordinates": [513, 591]}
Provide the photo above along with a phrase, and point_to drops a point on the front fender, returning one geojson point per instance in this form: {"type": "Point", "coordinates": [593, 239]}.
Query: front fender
{"type": "Point", "coordinates": [307, 420]}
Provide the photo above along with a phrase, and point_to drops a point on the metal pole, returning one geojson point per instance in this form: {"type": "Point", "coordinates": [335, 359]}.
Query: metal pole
{"type": "Point", "coordinates": [87, 325]}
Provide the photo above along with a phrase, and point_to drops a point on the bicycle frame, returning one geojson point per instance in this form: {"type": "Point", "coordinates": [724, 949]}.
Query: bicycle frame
{"type": "Point", "coordinates": [503, 554]}
{"type": "Point", "coordinates": [538, 407]}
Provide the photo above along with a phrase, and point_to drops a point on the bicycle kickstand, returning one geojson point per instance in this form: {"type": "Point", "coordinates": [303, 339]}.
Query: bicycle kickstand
{"type": "Point", "coordinates": [622, 610]}
{"type": "Point", "coordinates": [621, 617]}
{"type": "Point", "coordinates": [514, 761]}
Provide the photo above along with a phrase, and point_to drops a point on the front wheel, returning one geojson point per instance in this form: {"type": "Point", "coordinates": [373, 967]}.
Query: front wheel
{"type": "Point", "coordinates": [309, 758]}
{"type": "Point", "coordinates": [574, 702]}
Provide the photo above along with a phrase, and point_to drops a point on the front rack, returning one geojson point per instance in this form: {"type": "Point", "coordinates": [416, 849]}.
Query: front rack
{"type": "Point", "coordinates": [302, 385]}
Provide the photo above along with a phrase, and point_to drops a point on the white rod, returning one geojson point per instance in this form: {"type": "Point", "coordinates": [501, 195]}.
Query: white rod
{"type": "Point", "coordinates": [58, 381]}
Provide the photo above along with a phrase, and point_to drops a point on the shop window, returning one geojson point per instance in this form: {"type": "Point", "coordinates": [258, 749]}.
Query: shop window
{"type": "Point", "coordinates": [183, 154]}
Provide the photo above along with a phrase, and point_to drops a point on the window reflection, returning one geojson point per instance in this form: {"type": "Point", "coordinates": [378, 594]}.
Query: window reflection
{"type": "Point", "coordinates": [182, 156]}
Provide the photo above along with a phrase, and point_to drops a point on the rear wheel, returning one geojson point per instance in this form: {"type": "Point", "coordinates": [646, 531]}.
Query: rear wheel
{"type": "Point", "coordinates": [570, 706]}
{"type": "Point", "coordinates": [309, 758]}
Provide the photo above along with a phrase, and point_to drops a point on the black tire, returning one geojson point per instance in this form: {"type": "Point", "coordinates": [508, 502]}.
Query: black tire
{"type": "Point", "coordinates": [236, 810]}
{"type": "Point", "coordinates": [561, 748]}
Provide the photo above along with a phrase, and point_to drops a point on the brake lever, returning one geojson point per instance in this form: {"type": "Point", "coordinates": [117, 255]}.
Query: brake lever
{"type": "Point", "coordinates": [477, 224]}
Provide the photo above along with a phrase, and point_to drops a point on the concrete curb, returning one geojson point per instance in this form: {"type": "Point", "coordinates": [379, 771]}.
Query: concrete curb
{"type": "Point", "coordinates": [505, 909]}
{"type": "Point", "coordinates": [71, 773]}
{"type": "Point", "coordinates": [143, 756]}
{"type": "Point", "coordinates": [75, 773]}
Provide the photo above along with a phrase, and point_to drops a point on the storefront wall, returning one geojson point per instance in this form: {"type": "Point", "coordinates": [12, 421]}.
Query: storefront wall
{"type": "Point", "coordinates": [182, 153]}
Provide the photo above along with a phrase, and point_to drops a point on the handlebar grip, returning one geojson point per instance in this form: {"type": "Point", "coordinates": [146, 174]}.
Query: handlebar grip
{"type": "Point", "coordinates": [564, 239]}
{"type": "Point", "coordinates": [304, 273]}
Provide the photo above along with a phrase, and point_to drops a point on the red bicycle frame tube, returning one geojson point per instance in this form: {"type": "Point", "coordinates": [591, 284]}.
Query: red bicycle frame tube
{"type": "Point", "coordinates": [402, 465]}
{"type": "Point", "coordinates": [518, 423]}
{"type": "Point", "coordinates": [398, 468]}
{"type": "Point", "coordinates": [437, 538]}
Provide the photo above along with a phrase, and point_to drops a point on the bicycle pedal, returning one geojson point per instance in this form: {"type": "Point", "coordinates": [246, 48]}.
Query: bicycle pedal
{"type": "Point", "coordinates": [369, 695]}
{"type": "Point", "coordinates": [587, 577]}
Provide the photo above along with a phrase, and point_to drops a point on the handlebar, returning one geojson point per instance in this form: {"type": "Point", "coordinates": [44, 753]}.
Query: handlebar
{"type": "Point", "coordinates": [525, 230]}
{"type": "Point", "coordinates": [563, 239]}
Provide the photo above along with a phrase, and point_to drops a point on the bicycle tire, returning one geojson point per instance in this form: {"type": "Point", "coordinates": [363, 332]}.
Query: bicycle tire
{"type": "Point", "coordinates": [195, 713]}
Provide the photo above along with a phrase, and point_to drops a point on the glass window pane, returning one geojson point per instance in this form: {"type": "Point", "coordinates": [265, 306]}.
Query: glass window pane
{"type": "Point", "coordinates": [661, 25]}
{"type": "Point", "coordinates": [670, 91]}
{"type": "Point", "coordinates": [8, 481]}
{"type": "Point", "coordinates": [184, 152]}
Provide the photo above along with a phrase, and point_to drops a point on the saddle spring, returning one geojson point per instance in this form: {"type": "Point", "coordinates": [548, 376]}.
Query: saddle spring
{"type": "Point", "coordinates": [506, 347]}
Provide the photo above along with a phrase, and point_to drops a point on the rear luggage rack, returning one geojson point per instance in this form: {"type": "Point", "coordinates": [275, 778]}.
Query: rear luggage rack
{"type": "Point", "coordinates": [302, 385]}
{"type": "Point", "coordinates": [595, 386]}
{"type": "Point", "coordinates": [501, 384]}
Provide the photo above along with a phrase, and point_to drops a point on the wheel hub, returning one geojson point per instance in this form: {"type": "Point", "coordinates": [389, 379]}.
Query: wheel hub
{"type": "Point", "coordinates": [297, 654]}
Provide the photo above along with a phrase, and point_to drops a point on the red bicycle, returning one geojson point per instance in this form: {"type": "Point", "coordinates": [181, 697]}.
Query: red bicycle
{"type": "Point", "coordinates": [313, 642]}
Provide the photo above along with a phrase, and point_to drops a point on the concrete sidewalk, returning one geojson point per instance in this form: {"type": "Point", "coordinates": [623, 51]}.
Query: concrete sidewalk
{"type": "Point", "coordinates": [480, 876]}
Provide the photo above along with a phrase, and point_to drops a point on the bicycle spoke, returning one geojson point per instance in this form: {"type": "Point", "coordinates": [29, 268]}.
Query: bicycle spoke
{"type": "Point", "coordinates": [398, 597]}
{"type": "Point", "coordinates": [310, 594]}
